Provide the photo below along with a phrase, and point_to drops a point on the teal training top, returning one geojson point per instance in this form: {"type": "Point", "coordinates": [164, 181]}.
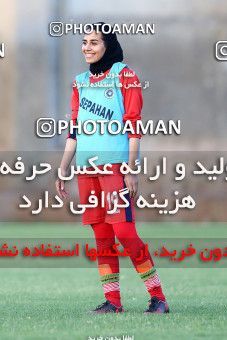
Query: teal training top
{"type": "Point", "coordinates": [102, 102]}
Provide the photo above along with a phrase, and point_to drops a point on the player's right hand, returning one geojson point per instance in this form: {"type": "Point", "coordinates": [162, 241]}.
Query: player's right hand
{"type": "Point", "coordinates": [60, 187]}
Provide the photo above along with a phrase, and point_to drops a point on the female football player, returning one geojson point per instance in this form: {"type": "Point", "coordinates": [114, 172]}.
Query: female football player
{"type": "Point", "coordinates": [94, 99]}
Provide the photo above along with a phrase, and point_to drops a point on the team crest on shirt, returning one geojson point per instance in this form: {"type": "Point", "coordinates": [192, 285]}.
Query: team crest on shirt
{"type": "Point", "coordinates": [109, 93]}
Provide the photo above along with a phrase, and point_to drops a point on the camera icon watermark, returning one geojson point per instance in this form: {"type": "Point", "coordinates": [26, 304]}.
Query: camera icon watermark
{"type": "Point", "coordinates": [56, 29]}
{"type": "Point", "coordinates": [221, 50]}
{"type": "Point", "coordinates": [45, 127]}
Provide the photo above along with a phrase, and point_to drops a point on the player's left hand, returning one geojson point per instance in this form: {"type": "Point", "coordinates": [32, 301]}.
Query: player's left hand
{"type": "Point", "coordinates": [131, 182]}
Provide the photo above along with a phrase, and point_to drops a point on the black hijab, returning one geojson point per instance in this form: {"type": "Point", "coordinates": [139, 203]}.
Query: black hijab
{"type": "Point", "coordinates": [113, 53]}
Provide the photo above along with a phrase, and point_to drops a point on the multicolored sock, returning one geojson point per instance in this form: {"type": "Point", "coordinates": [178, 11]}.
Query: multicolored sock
{"type": "Point", "coordinates": [111, 287]}
{"type": "Point", "coordinates": [151, 280]}
{"type": "Point", "coordinates": [108, 266]}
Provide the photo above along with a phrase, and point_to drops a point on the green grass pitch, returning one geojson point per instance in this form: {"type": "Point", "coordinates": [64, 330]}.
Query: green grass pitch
{"type": "Point", "coordinates": [53, 303]}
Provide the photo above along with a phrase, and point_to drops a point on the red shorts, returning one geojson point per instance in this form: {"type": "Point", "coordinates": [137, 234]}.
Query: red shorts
{"type": "Point", "coordinates": [104, 185]}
